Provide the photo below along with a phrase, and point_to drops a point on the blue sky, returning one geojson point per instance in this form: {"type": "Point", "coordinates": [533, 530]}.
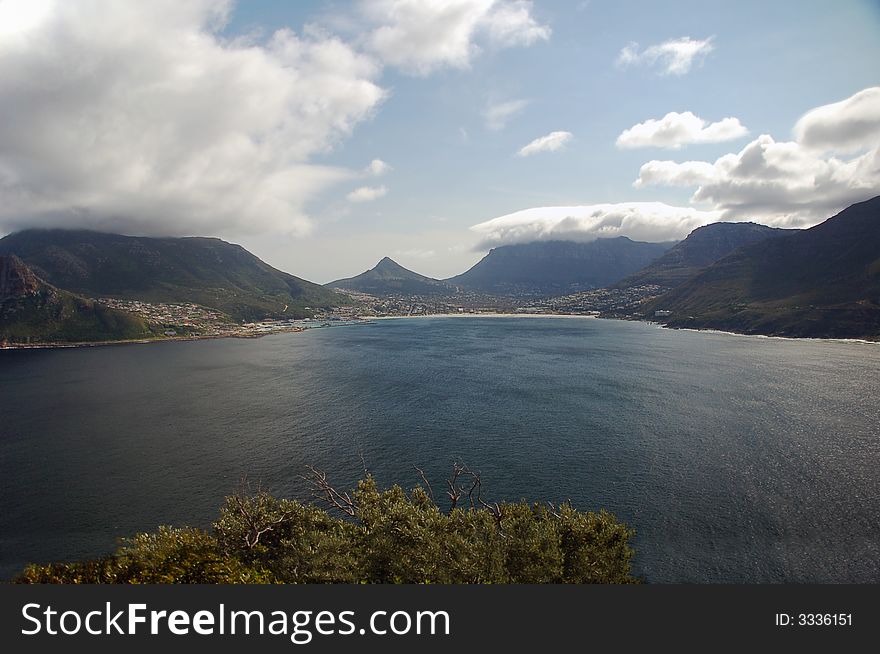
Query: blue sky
{"type": "Point", "coordinates": [766, 64]}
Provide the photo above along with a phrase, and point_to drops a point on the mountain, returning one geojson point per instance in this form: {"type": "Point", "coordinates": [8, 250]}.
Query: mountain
{"type": "Point", "coordinates": [34, 311]}
{"type": "Point", "coordinates": [546, 268]}
{"type": "Point", "coordinates": [390, 278]}
{"type": "Point", "coordinates": [205, 271]}
{"type": "Point", "coordinates": [819, 282]}
{"type": "Point", "coordinates": [702, 247]}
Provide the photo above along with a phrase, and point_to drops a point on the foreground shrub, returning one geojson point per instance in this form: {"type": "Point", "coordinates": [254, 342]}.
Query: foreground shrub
{"type": "Point", "coordinates": [168, 556]}
{"type": "Point", "coordinates": [382, 536]}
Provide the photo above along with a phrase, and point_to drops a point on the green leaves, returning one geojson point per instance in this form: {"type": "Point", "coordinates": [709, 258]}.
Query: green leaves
{"type": "Point", "coordinates": [394, 537]}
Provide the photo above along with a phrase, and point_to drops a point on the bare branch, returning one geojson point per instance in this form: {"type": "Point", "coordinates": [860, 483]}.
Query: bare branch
{"type": "Point", "coordinates": [427, 483]}
{"type": "Point", "coordinates": [455, 492]}
{"type": "Point", "coordinates": [256, 526]}
{"type": "Point", "coordinates": [321, 488]}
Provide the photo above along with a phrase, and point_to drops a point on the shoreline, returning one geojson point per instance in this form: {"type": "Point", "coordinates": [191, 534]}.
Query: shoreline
{"type": "Point", "coordinates": [367, 320]}
{"type": "Point", "coordinates": [645, 322]}
{"type": "Point", "coordinates": [143, 341]}
{"type": "Point", "coordinates": [821, 339]}
{"type": "Point", "coordinates": [488, 315]}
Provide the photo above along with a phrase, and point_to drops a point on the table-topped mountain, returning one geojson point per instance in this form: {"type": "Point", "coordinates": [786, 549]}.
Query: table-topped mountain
{"type": "Point", "coordinates": [545, 268]}
{"type": "Point", "coordinates": [702, 247]}
{"type": "Point", "coordinates": [819, 282]}
{"type": "Point", "coordinates": [205, 271]}
{"type": "Point", "coordinates": [389, 278]}
{"type": "Point", "coordinates": [33, 311]}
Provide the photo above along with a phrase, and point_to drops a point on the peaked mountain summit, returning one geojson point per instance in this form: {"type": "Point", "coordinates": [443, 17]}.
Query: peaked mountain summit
{"type": "Point", "coordinates": [389, 278]}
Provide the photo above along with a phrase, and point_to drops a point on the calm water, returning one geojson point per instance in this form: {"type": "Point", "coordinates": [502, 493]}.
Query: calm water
{"type": "Point", "coordinates": [736, 458]}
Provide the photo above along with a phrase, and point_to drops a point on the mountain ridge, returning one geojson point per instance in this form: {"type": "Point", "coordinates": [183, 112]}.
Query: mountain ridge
{"type": "Point", "coordinates": [821, 282]}
{"type": "Point", "coordinates": [202, 270]}
{"type": "Point", "coordinates": [702, 247]}
{"type": "Point", "coordinates": [33, 311]}
{"type": "Point", "coordinates": [546, 268]}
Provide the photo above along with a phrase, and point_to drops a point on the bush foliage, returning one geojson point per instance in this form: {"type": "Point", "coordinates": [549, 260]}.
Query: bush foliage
{"type": "Point", "coordinates": [383, 536]}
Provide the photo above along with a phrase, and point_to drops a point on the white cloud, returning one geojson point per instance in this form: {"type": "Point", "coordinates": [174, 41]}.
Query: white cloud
{"type": "Point", "coordinates": [498, 113]}
{"type": "Point", "coordinates": [792, 183]}
{"type": "Point", "coordinates": [670, 173]}
{"type": "Point", "coordinates": [640, 221]}
{"type": "Point", "coordinates": [420, 36]}
{"type": "Point", "coordinates": [377, 168]}
{"type": "Point", "coordinates": [367, 193]}
{"type": "Point", "coordinates": [551, 143]}
{"type": "Point", "coordinates": [673, 57]}
{"type": "Point", "coordinates": [845, 126]}
{"type": "Point", "coordinates": [677, 129]}
{"type": "Point", "coordinates": [510, 23]}
{"type": "Point", "coordinates": [139, 117]}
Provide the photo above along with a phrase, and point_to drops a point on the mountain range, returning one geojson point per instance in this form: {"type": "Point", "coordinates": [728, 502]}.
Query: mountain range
{"type": "Point", "coordinates": [545, 268]}
{"type": "Point", "coordinates": [744, 277]}
{"type": "Point", "coordinates": [702, 247]}
{"type": "Point", "coordinates": [525, 270]}
{"type": "Point", "coordinates": [819, 282]}
{"type": "Point", "coordinates": [204, 271]}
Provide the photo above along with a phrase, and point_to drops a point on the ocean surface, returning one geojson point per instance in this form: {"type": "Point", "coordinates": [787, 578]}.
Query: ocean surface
{"type": "Point", "coordinates": [736, 459]}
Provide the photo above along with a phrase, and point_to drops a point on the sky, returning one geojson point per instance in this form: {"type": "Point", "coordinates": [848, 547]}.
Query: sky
{"type": "Point", "coordinates": [324, 136]}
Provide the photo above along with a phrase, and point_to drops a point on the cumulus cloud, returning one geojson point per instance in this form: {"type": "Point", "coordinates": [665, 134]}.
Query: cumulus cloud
{"type": "Point", "coordinates": [367, 193]}
{"type": "Point", "coordinates": [672, 57]}
{"type": "Point", "coordinates": [677, 129]}
{"type": "Point", "coordinates": [640, 221]}
{"type": "Point", "coordinates": [791, 183]}
{"type": "Point", "coordinates": [670, 173]}
{"type": "Point", "coordinates": [498, 113]}
{"type": "Point", "coordinates": [551, 143]}
{"type": "Point", "coordinates": [377, 168]}
{"type": "Point", "coordinates": [845, 126]}
{"type": "Point", "coordinates": [420, 36]}
{"type": "Point", "coordinates": [139, 117]}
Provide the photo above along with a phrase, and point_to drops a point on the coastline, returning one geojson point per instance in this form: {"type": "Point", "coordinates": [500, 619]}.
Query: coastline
{"type": "Point", "coordinates": [488, 315]}
{"type": "Point", "coordinates": [646, 322]}
{"type": "Point", "coordinates": [367, 320]}
{"type": "Point", "coordinates": [821, 339]}
{"type": "Point", "coordinates": [145, 341]}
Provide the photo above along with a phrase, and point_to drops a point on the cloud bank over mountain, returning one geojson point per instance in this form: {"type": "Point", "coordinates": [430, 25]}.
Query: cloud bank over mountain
{"type": "Point", "coordinates": [144, 118]}
{"type": "Point", "coordinates": [640, 221]}
{"type": "Point", "coordinates": [163, 126]}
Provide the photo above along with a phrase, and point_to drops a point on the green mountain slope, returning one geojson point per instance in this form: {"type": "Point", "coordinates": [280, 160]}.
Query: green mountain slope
{"type": "Point", "coordinates": [820, 282]}
{"type": "Point", "coordinates": [546, 268]}
{"type": "Point", "coordinates": [702, 247]}
{"type": "Point", "coordinates": [32, 311]}
{"type": "Point", "coordinates": [204, 271]}
{"type": "Point", "coordinates": [389, 278]}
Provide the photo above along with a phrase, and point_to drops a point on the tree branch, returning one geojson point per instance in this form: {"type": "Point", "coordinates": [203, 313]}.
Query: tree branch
{"type": "Point", "coordinates": [321, 488]}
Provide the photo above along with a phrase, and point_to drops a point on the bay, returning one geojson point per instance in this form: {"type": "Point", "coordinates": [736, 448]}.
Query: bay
{"type": "Point", "coordinates": [736, 459]}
